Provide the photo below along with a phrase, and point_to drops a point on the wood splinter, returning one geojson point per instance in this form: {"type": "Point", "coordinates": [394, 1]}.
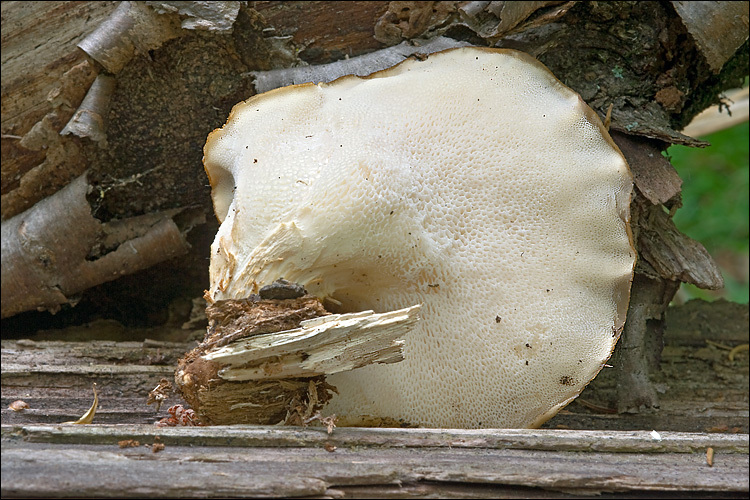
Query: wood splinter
{"type": "Point", "coordinates": [264, 359]}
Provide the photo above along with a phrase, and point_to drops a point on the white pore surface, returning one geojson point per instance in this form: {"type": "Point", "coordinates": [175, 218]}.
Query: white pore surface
{"type": "Point", "coordinates": [473, 183]}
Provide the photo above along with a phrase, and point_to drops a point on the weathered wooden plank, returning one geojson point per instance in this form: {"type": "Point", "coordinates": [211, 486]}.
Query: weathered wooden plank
{"type": "Point", "coordinates": [431, 489]}
{"type": "Point", "coordinates": [46, 470]}
{"type": "Point", "coordinates": [291, 437]}
{"type": "Point", "coordinates": [130, 380]}
{"type": "Point", "coordinates": [681, 416]}
{"type": "Point", "coordinates": [54, 378]}
{"type": "Point", "coordinates": [54, 369]}
{"type": "Point", "coordinates": [15, 370]}
{"type": "Point", "coordinates": [55, 352]}
{"type": "Point", "coordinates": [113, 411]}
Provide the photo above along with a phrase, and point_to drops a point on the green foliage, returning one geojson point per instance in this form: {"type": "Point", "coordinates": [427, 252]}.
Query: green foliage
{"type": "Point", "coordinates": [715, 202]}
{"type": "Point", "coordinates": [715, 190]}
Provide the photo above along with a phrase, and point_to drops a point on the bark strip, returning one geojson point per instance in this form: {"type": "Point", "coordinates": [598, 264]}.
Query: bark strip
{"type": "Point", "coordinates": [132, 27]}
{"type": "Point", "coordinates": [360, 66]}
{"type": "Point", "coordinates": [56, 250]}
{"type": "Point", "coordinates": [89, 119]}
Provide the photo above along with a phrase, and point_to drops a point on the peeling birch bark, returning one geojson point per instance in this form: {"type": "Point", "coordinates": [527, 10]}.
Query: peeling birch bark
{"type": "Point", "coordinates": [89, 119]}
{"type": "Point", "coordinates": [57, 249]}
{"type": "Point", "coordinates": [360, 66]}
{"type": "Point", "coordinates": [132, 27]}
{"type": "Point", "coordinates": [44, 79]}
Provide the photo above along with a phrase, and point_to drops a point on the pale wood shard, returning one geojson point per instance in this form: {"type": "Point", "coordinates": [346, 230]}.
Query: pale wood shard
{"type": "Point", "coordinates": [325, 345]}
{"type": "Point", "coordinates": [734, 110]}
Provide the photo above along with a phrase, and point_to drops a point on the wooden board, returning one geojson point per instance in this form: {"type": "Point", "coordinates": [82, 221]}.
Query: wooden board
{"type": "Point", "coordinates": [283, 462]}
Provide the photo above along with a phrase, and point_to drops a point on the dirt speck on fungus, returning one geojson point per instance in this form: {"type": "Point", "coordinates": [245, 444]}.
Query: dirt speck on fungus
{"type": "Point", "coordinates": [567, 380]}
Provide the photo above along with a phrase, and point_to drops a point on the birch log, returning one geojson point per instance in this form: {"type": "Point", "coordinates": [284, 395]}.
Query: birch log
{"type": "Point", "coordinates": [57, 249]}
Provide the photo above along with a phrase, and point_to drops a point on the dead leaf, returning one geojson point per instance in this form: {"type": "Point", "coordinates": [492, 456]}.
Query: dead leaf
{"type": "Point", "coordinates": [128, 443]}
{"type": "Point", "coordinates": [159, 393]}
{"type": "Point", "coordinates": [179, 416]}
{"type": "Point", "coordinates": [88, 417]}
{"type": "Point", "coordinates": [329, 421]}
{"type": "Point", "coordinates": [19, 405]}
{"type": "Point", "coordinates": [157, 446]}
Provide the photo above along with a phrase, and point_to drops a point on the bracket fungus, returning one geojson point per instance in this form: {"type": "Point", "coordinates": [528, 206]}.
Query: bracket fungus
{"type": "Point", "coordinates": [472, 182]}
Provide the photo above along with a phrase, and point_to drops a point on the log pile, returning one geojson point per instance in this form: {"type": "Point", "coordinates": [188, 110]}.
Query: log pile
{"type": "Point", "coordinates": [106, 107]}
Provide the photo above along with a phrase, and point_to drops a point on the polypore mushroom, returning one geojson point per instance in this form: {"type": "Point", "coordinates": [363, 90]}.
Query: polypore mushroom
{"type": "Point", "coordinates": [472, 182]}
